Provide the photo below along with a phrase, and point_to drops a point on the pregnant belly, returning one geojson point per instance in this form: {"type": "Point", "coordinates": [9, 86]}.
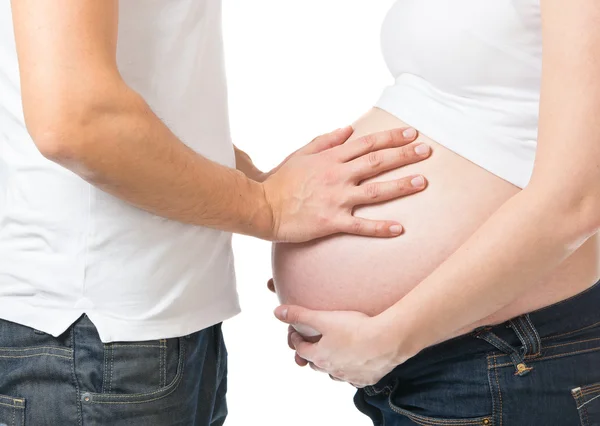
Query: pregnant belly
{"type": "Point", "coordinates": [346, 272]}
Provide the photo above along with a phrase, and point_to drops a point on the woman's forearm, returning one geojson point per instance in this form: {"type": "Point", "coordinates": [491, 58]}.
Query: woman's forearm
{"type": "Point", "coordinates": [523, 241]}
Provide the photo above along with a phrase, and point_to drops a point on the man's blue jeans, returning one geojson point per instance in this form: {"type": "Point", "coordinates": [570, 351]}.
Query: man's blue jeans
{"type": "Point", "coordinates": [75, 379]}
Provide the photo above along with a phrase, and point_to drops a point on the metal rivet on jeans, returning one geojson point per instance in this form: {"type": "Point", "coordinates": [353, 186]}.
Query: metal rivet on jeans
{"type": "Point", "coordinates": [86, 397]}
{"type": "Point", "coordinates": [486, 421]}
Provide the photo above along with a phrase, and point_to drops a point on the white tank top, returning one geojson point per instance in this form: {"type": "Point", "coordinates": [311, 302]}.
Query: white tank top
{"type": "Point", "coordinates": [467, 74]}
{"type": "Point", "coordinates": [67, 248]}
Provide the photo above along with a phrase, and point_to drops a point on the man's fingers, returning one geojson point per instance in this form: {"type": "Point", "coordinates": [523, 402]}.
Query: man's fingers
{"type": "Point", "coordinates": [375, 142]}
{"type": "Point", "coordinates": [371, 228]}
{"type": "Point", "coordinates": [377, 162]}
{"type": "Point", "coordinates": [271, 285]}
{"type": "Point", "coordinates": [372, 193]}
{"type": "Point", "coordinates": [327, 141]}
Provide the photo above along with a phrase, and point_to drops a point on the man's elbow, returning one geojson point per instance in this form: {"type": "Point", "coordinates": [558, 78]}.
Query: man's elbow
{"type": "Point", "coordinates": [60, 143]}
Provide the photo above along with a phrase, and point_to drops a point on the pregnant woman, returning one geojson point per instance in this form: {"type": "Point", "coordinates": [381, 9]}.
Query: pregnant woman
{"type": "Point", "coordinates": [485, 311]}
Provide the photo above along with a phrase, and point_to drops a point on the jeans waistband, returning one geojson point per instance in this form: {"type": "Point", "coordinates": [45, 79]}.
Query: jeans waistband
{"type": "Point", "coordinates": [519, 337]}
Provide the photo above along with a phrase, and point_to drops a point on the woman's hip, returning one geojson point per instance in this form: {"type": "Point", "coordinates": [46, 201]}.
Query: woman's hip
{"type": "Point", "coordinates": [539, 368]}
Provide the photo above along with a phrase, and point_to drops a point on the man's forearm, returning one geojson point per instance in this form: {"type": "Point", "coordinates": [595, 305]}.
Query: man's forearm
{"type": "Point", "coordinates": [125, 150]}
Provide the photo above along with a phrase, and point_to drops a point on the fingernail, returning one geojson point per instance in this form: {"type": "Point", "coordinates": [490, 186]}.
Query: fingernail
{"type": "Point", "coordinates": [422, 149]}
{"type": "Point", "coordinates": [284, 314]}
{"type": "Point", "coordinates": [417, 182]}
{"type": "Point", "coordinates": [396, 229]}
{"type": "Point", "coordinates": [409, 133]}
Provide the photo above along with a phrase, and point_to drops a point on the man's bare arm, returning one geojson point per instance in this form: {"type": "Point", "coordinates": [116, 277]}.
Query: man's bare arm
{"type": "Point", "coordinates": [83, 116]}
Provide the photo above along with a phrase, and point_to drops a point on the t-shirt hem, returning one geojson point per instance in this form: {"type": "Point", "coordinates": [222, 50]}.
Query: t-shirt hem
{"type": "Point", "coordinates": [112, 329]}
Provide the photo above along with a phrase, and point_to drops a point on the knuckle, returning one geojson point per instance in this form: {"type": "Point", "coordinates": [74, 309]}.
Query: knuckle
{"type": "Point", "coordinates": [323, 221]}
{"type": "Point", "coordinates": [357, 226]}
{"type": "Point", "coordinates": [372, 191]}
{"type": "Point", "coordinates": [368, 141]}
{"type": "Point", "coordinates": [374, 159]}
{"type": "Point", "coordinates": [402, 186]}
{"type": "Point", "coordinates": [403, 154]}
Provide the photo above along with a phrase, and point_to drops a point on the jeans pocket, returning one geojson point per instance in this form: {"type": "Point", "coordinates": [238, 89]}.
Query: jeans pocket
{"type": "Point", "coordinates": [395, 402]}
{"type": "Point", "coordinates": [12, 411]}
{"type": "Point", "coordinates": [587, 399]}
{"type": "Point", "coordinates": [439, 421]}
{"type": "Point", "coordinates": [140, 372]}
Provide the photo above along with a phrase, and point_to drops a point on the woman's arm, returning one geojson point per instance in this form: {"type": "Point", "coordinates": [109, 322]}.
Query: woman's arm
{"type": "Point", "coordinates": [522, 242]}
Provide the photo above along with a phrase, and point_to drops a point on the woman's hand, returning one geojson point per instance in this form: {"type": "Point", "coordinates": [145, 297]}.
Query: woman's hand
{"type": "Point", "coordinates": [353, 347]}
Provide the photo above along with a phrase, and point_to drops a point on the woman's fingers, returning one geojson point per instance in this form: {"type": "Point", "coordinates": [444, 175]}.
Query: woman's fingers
{"type": "Point", "coordinates": [372, 193]}
{"type": "Point", "coordinates": [377, 162]}
{"type": "Point", "coordinates": [271, 285]}
{"type": "Point", "coordinates": [377, 141]}
{"type": "Point", "coordinates": [317, 369]}
{"type": "Point", "coordinates": [300, 361]}
{"type": "Point", "coordinates": [291, 330]}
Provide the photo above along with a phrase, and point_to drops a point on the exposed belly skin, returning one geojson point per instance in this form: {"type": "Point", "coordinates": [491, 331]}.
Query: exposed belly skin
{"type": "Point", "coordinates": [345, 272]}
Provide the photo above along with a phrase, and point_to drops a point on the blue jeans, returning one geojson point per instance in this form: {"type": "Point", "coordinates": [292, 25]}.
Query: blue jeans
{"type": "Point", "coordinates": [75, 379]}
{"type": "Point", "coordinates": [537, 369]}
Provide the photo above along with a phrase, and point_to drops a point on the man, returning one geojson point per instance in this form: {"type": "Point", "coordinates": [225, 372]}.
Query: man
{"type": "Point", "coordinates": [115, 225]}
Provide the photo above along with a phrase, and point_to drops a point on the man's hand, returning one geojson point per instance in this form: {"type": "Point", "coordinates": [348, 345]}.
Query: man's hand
{"type": "Point", "coordinates": [244, 162]}
{"type": "Point", "coordinates": [354, 347]}
{"type": "Point", "coordinates": [314, 192]}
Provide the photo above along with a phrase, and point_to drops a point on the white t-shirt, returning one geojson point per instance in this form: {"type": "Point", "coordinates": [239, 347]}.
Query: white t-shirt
{"type": "Point", "coordinates": [68, 248]}
{"type": "Point", "coordinates": [468, 74]}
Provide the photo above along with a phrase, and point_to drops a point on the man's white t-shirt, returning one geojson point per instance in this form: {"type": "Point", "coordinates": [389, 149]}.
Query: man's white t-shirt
{"type": "Point", "coordinates": [68, 248]}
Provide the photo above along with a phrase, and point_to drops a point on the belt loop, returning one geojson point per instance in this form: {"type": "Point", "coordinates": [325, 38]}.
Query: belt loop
{"type": "Point", "coordinates": [528, 335]}
{"type": "Point", "coordinates": [518, 359]}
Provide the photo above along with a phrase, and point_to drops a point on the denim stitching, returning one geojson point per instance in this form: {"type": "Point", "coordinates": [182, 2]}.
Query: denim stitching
{"type": "Point", "coordinates": [591, 390]}
{"type": "Point", "coordinates": [176, 382]}
{"type": "Point", "coordinates": [74, 376]}
{"type": "Point", "coordinates": [556, 346]}
{"type": "Point", "coordinates": [537, 336]}
{"type": "Point", "coordinates": [31, 356]}
{"type": "Point", "coordinates": [428, 421]}
{"type": "Point", "coordinates": [500, 344]}
{"type": "Point", "coordinates": [517, 329]}
{"type": "Point", "coordinates": [499, 391]}
{"type": "Point", "coordinates": [162, 365]}
{"type": "Point", "coordinates": [121, 345]}
{"type": "Point", "coordinates": [572, 343]}
{"type": "Point", "coordinates": [555, 356]}
{"type": "Point", "coordinates": [8, 398]}
{"type": "Point", "coordinates": [12, 406]}
{"type": "Point", "coordinates": [490, 380]}
{"type": "Point", "coordinates": [104, 368]}
{"type": "Point", "coordinates": [584, 410]}
{"type": "Point", "coordinates": [112, 367]}
{"type": "Point", "coordinates": [36, 348]}
{"type": "Point", "coordinates": [571, 332]}
{"type": "Point", "coordinates": [588, 401]}
{"type": "Point", "coordinates": [530, 344]}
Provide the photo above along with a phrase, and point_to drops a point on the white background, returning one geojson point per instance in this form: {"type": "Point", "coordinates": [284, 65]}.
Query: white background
{"type": "Point", "coordinates": [296, 69]}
